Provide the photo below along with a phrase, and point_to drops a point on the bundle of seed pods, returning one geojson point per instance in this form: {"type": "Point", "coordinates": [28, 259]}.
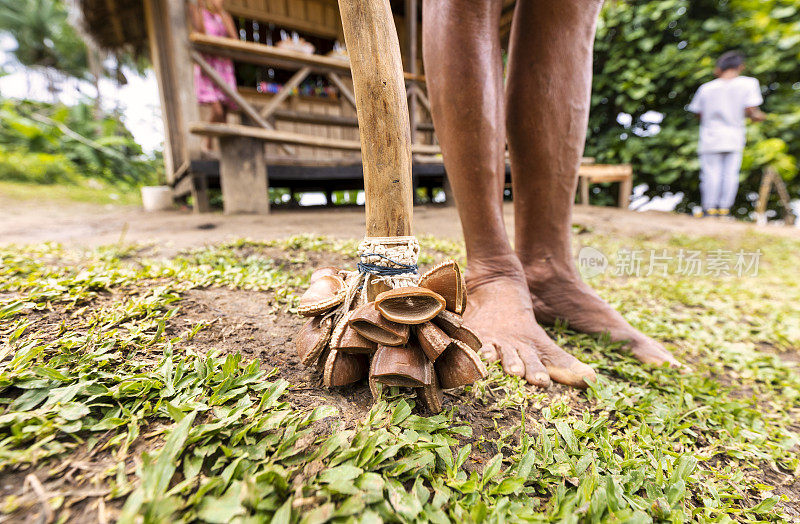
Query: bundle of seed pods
{"type": "Point", "coordinates": [412, 335]}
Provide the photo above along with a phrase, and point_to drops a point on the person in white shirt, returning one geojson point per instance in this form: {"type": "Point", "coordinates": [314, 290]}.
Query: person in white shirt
{"type": "Point", "coordinates": [722, 105]}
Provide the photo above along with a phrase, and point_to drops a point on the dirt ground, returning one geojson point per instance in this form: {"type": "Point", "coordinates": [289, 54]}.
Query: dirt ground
{"type": "Point", "coordinates": [88, 225]}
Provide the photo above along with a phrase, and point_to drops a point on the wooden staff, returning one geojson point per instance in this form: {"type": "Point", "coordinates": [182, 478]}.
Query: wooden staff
{"type": "Point", "coordinates": [382, 110]}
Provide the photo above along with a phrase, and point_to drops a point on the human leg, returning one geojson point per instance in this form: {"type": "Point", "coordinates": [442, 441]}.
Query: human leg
{"type": "Point", "coordinates": [729, 183]}
{"type": "Point", "coordinates": [461, 49]}
{"type": "Point", "coordinates": [710, 180]}
{"type": "Point", "coordinates": [549, 84]}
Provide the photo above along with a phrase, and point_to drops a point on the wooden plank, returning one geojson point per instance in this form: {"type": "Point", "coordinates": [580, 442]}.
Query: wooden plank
{"type": "Point", "coordinates": [183, 71]}
{"type": "Point", "coordinates": [243, 175]}
{"type": "Point", "coordinates": [423, 100]}
{"type": "Point", "coordinates": [343, 89]}
{"type": "Point", "coordinates": [763, 193]}
{"type": "Point", "coordinates": [332, 120]}
{"type": "Point", "coordinates": [288, 137]}
{"type": "Point", "coordinates": [175, 86]}
{"type": "Point", "coordinates": [606, 172]}
{"type": "Point", "coordinates": [285, 91]}
{"type": "Point", "coordinates": [783, 195]}
{"type": "Point", "coordinates": [260, 54]}
{"type": "Point", "coordinates": [232, 93]}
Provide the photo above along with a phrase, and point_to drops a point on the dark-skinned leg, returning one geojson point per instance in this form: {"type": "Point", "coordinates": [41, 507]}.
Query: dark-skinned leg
{"type": "Point", "coordinates": [461, 48]}
{"type": "Point", "coordinates": [549, 84]}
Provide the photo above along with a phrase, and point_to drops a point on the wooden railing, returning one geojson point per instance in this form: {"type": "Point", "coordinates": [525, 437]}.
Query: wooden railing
{"type": "Point", "coordinates": [303, 64]}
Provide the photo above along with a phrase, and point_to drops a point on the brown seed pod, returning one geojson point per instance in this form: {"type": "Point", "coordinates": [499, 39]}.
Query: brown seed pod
{"type": "Point", "coordinates": [312, 338]}
{"type": "Point", "coordinates": [459, 366]}
{"type": "Point", "coordinates": [400, 366]}
{"type": "Point", "coordinates": [372, 326]}
{"type": "Point", "coordinates": [432, 340]}
{"type": "Point", "coordinates": [342, 369]}
{"type": "Point", "coordinates": [325, 293]}
{"type": "Point", "coordinates": [447, 320]}
{"type": "Point", "coordinates": [431, 395]}
{"type": "Point", "coordinates": [446, 280]}
{"type": "Point", "coordinates": [453, 325]}
{"type": "Point", "coordinates": [348, 340]}
{"type": "Point", "coordinates": [409, 305]}
{"type": "Point", "coordinates": [323, 272]}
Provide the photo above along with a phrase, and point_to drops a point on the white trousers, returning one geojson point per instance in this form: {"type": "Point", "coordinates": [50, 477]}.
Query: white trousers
{"type": "Point", "coordinates": [719, 179]}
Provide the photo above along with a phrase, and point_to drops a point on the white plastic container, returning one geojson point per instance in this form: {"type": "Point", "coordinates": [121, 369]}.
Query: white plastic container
{"type": "Point", "coordinates": [156, 198]}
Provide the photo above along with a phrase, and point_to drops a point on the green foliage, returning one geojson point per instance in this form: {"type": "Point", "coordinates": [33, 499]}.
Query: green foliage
{"type": "Point", "coordinates": [42, 136]}
{"type": "Point", "coordinates": [99, 359]}
{"type": "Point", "coordinates": [36, 168]}
{"type": "Point", "coordinates": [653, 55]}
{"type": "Point", "coordinates": [44, 36]}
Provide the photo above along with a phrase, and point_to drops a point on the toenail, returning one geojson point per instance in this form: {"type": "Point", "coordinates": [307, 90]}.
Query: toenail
{"type": "Point", "coordinates": [542, 379]}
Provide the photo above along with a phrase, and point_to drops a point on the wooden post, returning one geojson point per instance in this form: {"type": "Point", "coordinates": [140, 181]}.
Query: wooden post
{"type": "Point", "coordinates": [763, 195]}
{"type": "Point", "coordinates": [243, 175]}
{"type": "Point", "coordinates": [584, 182]}
{"type": "Point", "coordinates": [167, 28]}
{"type": "Point", "coordinates": [625, 190]}
{"type": "Point", "coordinates": [382, 109]}
{"type": "Point", "coordinates": [769, 178]}
{"type": "Point", "coordinates": [199, 192]}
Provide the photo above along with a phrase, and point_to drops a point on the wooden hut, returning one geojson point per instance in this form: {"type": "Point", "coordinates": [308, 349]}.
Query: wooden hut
{"type": "Point", "coordinates": [296, 126]}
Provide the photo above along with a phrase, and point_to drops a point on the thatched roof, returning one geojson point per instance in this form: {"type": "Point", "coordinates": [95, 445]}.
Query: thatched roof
{"type": "Point", "coordinates": [114, 25]}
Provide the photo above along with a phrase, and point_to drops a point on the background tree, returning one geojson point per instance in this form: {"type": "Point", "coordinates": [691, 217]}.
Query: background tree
{"type": "Point", "coordinates": [650, 57]}
{"type": "Point", "coordinates": [45, 39]}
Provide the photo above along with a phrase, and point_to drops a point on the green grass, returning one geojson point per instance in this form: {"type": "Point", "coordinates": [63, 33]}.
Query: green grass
{"type": "Point", "coordinates": [94, 193]}
{"type": "Point", "coordinates": [97, 364]}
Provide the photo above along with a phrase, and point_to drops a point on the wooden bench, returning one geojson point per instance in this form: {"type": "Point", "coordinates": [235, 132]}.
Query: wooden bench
{"type": "Point", "coordinates": [602, 173]}
{"type": "Point", "coordinates": [243, 166]}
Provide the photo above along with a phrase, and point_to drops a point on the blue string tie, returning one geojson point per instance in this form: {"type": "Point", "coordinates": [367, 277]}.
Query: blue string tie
{"type": "Point", "coordinates": [383, 271]}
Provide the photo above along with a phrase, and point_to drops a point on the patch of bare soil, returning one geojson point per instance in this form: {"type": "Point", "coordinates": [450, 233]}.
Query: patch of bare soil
{"type": "Point", "coordinates": [86, 225]}
{"type": "Point", "coordinates": [247, 321]}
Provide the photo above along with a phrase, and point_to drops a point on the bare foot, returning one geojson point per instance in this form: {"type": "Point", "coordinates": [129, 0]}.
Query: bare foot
{"type": "Point", "coordinates": [500, 310]}
{"type": "Point", "coordinates": [561, 294]}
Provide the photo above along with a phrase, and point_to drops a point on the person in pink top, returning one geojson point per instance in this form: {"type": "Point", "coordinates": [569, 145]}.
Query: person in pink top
{"type": "Point", "coordinates": [209, 17]}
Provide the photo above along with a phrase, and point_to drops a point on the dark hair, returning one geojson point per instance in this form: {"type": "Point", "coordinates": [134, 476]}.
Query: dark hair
{"type": "Point", "coordinates": [730, 60]}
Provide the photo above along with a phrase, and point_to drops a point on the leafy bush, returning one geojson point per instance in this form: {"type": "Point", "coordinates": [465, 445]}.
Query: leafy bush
{"type": "Point", "coordinates": [103, 149]}
{"type": "Point", "coordinates": [652, 56]}
{"type": "Point", "coordinates": [36, 168]}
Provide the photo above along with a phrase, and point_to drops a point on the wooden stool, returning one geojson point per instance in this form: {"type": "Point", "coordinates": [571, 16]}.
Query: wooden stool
{"type": "Point", "coordinates": [601, 173]}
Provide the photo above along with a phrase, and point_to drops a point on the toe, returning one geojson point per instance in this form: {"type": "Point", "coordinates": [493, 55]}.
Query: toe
{"type": "Point", "coordinates": [488, 352]}
{"type": "Point", "coordinates": [578, 375]}
{"type": "Point", "coordinates": [648, 351]}
{"type": "Point", "coordinates": [535, 372]}
{"type": "Point", "coordinates": [509, 357]}
{"type": "Point", "coordinates": [564, 368]}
